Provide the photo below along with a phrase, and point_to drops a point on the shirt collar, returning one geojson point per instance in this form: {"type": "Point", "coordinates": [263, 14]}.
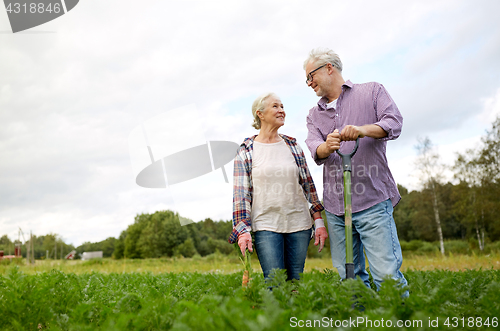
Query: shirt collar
{"type": "Point", "coordinates": [248, 142]}
{"type": "Point", "coordinates": [324, 101]}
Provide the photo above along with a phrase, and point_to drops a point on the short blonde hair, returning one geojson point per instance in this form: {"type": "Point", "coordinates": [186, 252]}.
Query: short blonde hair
{"type": "Point", "coordinates": [259, 105]}
{"type": "Point", "coordinates": [321, 56]}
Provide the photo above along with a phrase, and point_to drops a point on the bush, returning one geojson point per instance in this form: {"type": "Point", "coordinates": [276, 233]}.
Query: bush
{"type": "Point", "coordinates": [95, 261]}
{"type": "Point", "coordinates": [427, 247]}
{"type": "Point", "coordinates": [186, 249]}
{"type": "Point", "coordinates": [456, 247]}
{"type": "Point", "coordinates": [492, 247]}
{"type": "Point", "coordinates": [418, 247]}
{"type": "Point", "coordinates": [411, 246]}
{"type": "Point", "coordinates": [15, 261]}
{"type": "Point", "coordinates": [220, 245]}
{"type": "Point", "coordinates": [203, 248]}
{"type": "Point", "coordinates": [216, 256]}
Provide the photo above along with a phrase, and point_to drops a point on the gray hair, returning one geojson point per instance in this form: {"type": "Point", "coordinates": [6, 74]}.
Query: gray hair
{"type": "Point", "coordinates": [259, 105]}
{"type": "Point", "coordinates": [322, 56]}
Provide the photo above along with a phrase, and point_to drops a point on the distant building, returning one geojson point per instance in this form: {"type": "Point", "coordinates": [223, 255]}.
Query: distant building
{"type": "Point", "coordinates": [7, 256]}
{"type": "Point", "coordinates": [71, 255]}
{"type": "Point", "coordinates": [91, 255]}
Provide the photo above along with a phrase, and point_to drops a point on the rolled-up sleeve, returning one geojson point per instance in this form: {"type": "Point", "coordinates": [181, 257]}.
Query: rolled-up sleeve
{"type": "Point", "coordinates": [314, 140]}
{"type": "Point", "coordinates": [388, 116]}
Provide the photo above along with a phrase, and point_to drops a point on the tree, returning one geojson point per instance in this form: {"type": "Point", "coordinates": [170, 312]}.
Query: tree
{"type": "Point", "coordinates": [50, 244]}
{"type": "Point", "coordinates": [402, 215]}
{"type": "Point", "coordinates": [161, 234]}
{"type": "Point", "coordinates": [489, 163]}
{"type": "Point", "coordinates": [431, 171]}
{"type": "Point", "coordinates": [489, 157]}
{"type": "Point", "coordinates": [469, 192]}
{"type": "Point", "coordinates": [120, 246]}
{"type": "Point", "coordinates": [107, 247]}
{"type": "Point", "coordinates": [6, 245]}
{"type": "Point", "coordinates": [479, 173]}
{"type": "Point", "coordinates": [187, 248]}
{"type": "Point", "coordinates": [134, 231]}
{"type": "Point", "coordinates": [220, 245]}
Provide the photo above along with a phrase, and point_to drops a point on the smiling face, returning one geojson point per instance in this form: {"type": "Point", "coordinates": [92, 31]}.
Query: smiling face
{"type": "Point", "coordinates": [274, 114]}
{"type": "Point", "coordinates": [320, 81]}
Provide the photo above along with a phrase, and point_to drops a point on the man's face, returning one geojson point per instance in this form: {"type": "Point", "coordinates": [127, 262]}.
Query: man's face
{"type": "Point", "coordinates": [320, 78]}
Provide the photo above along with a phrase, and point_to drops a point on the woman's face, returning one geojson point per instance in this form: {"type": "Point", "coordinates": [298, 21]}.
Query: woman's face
{"type": "Point", "coordinates": [274, 113]}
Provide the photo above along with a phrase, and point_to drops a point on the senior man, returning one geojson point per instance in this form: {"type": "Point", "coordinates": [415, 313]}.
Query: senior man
{"type": "Point", "coordinates": [345, 112]}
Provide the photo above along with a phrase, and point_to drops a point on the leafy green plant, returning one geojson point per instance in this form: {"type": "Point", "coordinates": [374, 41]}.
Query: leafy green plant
{"type": "Point", "coordinates": [193, 301]}
{"type": "Point", "coordinates": [247, 268]}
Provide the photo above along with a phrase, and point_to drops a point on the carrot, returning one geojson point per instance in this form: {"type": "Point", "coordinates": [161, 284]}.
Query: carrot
{"type": "Point", "coordinates": [248, 269]}
{"type": "Point", "coordinates": [246, 277]}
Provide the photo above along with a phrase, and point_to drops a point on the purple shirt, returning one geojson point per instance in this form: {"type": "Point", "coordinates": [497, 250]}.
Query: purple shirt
{"type": "Point", "coordinates": [372, 181]}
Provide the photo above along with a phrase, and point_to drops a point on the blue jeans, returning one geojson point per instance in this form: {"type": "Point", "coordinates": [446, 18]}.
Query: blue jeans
{"type": "Point", "coordinates": [282, 251]}
{"type": "Point", "coordinates": [374, 230]}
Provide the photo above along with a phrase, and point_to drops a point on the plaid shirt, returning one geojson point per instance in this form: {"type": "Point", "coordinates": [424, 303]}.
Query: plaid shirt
{"type": "Point", "coordinates": [243, 190]}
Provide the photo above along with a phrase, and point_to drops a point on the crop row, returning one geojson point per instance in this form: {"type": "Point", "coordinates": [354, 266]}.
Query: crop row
{"type": "Point", "coordinates": [192, 301]}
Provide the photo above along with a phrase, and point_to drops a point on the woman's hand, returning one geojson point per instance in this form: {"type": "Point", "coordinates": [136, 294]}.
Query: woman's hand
{"type": "Point", "coordinates": [245, 241]}
{"type": "Point", "coordinates": [320, 235]}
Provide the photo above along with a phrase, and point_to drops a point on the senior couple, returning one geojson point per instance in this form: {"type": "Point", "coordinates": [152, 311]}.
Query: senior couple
{"type": "Point", "coordinates": [274, 194]}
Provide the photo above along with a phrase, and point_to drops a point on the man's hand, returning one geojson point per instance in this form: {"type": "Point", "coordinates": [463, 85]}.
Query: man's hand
{"type": "Point", "coordinates": [333, 141]}
{"type": "Point", "coordinates": [352, 132]}
{"type": "Point", "coordinates": [245, 241]}
{"type": "Point", "coordinates": [331, 144]}
{"type": "Point", "coordinates": [320, 235]}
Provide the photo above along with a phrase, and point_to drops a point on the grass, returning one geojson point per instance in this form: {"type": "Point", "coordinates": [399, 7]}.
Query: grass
{"type": "Point", "coordinates": [451, 262]}
{"type": "Point", "coordinates": [222, 264]}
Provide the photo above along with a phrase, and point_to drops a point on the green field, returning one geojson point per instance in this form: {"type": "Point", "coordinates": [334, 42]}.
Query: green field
{"type": "Point", "coordinates": [206, 294]}
{"type": "Point", "coordinates": [220, 263]}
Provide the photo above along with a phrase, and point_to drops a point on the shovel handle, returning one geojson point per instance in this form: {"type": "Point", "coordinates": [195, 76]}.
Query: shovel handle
{"type": "Point", "coordinates": [351, 154]}
{"type": "Point", "coordinates": [346, 166]}
{"type": "Point", "coordinates": [346, 158]}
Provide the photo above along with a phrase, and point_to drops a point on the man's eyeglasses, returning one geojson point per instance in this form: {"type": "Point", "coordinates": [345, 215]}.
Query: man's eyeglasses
{"type": "Point", "coordinates": [309, 75]}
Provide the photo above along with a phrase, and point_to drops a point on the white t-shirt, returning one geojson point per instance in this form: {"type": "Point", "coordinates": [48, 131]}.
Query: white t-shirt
{"type": "Point", "coordinates": [278, 204]}
{"type": "Point", "coordinates": [332, 104]}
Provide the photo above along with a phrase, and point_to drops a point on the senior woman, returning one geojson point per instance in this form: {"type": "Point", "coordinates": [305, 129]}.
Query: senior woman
{"type": "Point", "coordinates": [272, 193]}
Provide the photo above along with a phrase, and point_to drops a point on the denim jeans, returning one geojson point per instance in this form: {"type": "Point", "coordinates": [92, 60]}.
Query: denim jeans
{"type": "Point", "coordinates": [282, 251]}
{"type": "Point", "coordinates": [374, 230]}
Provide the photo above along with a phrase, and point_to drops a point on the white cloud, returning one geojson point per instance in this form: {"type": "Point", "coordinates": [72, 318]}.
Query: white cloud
{"type": "Point", "coordinates": [491, 108]}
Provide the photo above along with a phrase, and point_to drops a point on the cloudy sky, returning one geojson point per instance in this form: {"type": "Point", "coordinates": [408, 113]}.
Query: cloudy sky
{"type": "Point", "coordinates": [75, 91]}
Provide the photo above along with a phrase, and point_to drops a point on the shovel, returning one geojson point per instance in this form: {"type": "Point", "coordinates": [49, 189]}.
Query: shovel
{"type": "Point", "coordinates": [346, 166]}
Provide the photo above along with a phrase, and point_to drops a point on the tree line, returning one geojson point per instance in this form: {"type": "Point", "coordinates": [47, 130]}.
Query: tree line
{"type": "Point", "coordinates": [468, 209]}
{"type": "Point", "coordinates": [150, 236]}
{"type": "Point", "coordinates": [47, 246]}
{"type": "Point", "coordinates": [161, 235]}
